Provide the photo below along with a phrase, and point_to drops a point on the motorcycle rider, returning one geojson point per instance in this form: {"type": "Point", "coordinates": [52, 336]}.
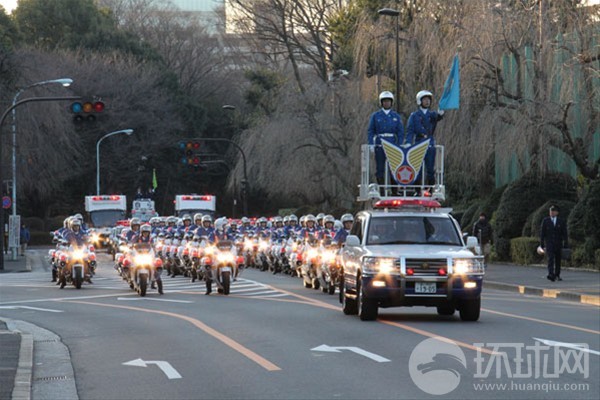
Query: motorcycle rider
{"type": "Point", "coordinates": [277, 231]}
{"type": "Point", "coordinates": [327, 232]}
{"type": "Point", "coordinates": [293, 226]}
{"type": "Point", "coordinates": [262, 229]}
{"type": "Point", "coordinates": [134, 224]}
{"type": "Point", "coordinates": [421, 126]}
{"type": "Point", "coordinates": [232, 231]}
{"type": "Point", "coordinates": [385, 124]}
{"type": "Point", "coordinates": [75, 235]}
{"type": "Point", "coordinates": [197, 222]}
{"type": "Point", "coordinates": [342, 234]}
{"type": "Point", "coordinates": [187, 223]}
{"type": "Point", "coordinates": [143, 235]}
{"type": "Point", "coordinates": [246, 228]}
{"type": "Point", "coordinates": [320, 217]}
{"type": "Point", "coordinates": [311, 228]}
{"type": "Point", "coordinates": [206, 229]}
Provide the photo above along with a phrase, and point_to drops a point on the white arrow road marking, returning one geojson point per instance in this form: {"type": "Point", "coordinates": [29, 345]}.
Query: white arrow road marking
{"type": "Point", "coordinates": [30, 308]}
{"type": "Point", "coordinates": [576, 346]}
{"type": "Point", "coordinates": [146, 298]}
{"type": "Point", "coordinates": [356, 350]}
{"type": "Point", "coordinates": [169, 371]}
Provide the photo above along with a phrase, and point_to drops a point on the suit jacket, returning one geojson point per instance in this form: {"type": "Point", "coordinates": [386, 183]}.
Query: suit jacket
{"type": "Point", "coordinates": [553, 237]}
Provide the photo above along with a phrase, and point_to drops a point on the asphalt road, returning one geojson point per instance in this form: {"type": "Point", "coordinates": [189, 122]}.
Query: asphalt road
{"type": "Point", "coordinates": [267, 339]}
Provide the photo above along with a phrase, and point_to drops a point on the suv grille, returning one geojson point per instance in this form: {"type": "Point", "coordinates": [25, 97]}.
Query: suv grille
{"type": "Point", "coordinates": [427, 266]}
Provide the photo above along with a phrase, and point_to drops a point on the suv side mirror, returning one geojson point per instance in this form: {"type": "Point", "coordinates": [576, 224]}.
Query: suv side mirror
{"type": "Point", "coordinates": [352, 240]}
{"type": "Point", "coordinates": [472, 242]}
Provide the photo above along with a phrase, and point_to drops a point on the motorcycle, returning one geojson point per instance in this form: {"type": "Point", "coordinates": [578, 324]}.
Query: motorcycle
{"type": "Point", "coordinates": [221, 266]}
{"type": "Point", "coordinates": [310, 261]}
{"type": "Point", "coordinates": [328, 269]}
{"type": "Point", "coordinates": [144, 268]}
{"type": "Point", "coordinates": [74, 266]}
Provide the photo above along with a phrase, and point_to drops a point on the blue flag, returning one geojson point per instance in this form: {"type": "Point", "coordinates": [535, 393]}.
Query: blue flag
{"type": "Point", "coordinates": [451, 96]}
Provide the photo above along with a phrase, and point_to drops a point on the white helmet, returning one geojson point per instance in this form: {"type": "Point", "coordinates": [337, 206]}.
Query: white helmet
{"type": "Point", "coordinates": [386, 95]}
{"type": "Point", "coordinates": [347, 218]}
{"type": "Point", "coordinates": [220, 223]}
{"type": "Point", "coordinates": [145, 228]}
{"type": "Point", "coordinates": [337, 225]}
{"type": "Point", "coordinates": [197, 217]}
{"type": "Point", "coordinates": [423, 93]}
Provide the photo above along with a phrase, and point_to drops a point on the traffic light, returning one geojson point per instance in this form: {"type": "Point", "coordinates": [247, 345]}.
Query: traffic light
{"type": "Point", "coordinates": [190, 153]}
{"type": "Point", "coordinates": [86, 111]}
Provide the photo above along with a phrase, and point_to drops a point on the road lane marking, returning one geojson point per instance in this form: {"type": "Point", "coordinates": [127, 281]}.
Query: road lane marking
{"type": "Point", "coordinates": [30, 308]}
{"type": "Point", "coordinates": [69, 298]}
{"type": "Point", "coordinates": [357, 350]}
{"type": "Point", "coordinates": [263, 362]}
{"type": "Point", "coordinates": [577, 328]}
{"type": "Point", "coordinates": [165, 367]}
{"type": "Point", "coordinates": [151, 299]}
{"type": "Point", "coordinates": [576, 346]}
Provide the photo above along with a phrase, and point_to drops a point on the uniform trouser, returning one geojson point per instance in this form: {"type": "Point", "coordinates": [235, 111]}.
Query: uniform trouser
{"type": "Point", "coordinates": [554, 257]}
{"type": "Point", "coordinates": [380, 169]}
{"type": "Point", "coordinates": [429, 162]}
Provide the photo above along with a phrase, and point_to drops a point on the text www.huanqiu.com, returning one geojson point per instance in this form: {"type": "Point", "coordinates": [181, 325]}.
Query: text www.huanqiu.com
{"type": "Point", "coordinates": [531, 386]}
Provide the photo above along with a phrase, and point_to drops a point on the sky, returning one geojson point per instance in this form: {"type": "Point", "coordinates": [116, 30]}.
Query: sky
{"type": "Point", "coordinates": [8, 5]}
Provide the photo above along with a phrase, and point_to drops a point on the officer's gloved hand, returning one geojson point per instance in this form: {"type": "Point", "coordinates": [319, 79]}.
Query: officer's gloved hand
{"type": "Point", "coordinates": [440, 111]}
{"type": "Point", "coordinates": [372, 149]}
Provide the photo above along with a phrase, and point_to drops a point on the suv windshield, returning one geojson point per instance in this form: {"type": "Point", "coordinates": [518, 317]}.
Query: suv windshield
{"type": "Point", "coordinates": [412, 230]}
{"type": "Point", "coordinates": [106, 217]}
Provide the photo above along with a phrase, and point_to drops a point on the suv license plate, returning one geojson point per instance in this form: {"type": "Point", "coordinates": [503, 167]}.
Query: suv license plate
{"type": "Point", "coordinates": [423, 287]}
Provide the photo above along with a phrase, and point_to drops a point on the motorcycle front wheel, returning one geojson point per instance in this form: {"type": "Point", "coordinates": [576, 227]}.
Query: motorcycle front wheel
{"type": "Point", "coordinates": [226, 282]}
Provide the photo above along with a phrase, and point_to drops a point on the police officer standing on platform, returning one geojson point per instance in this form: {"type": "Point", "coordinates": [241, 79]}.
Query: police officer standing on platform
{"type": "Point", "coordinates": [384, 124]}
{"type": "Point", "coordinates": [553, 238]}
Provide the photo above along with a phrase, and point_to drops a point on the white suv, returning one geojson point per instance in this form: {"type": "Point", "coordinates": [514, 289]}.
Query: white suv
{"type": "Point", "coordinates": [409, 252]}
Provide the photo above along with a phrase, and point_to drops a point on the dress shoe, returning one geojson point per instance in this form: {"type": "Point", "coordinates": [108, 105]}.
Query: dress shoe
{"type": "Point", "coordinates": [551, 278]}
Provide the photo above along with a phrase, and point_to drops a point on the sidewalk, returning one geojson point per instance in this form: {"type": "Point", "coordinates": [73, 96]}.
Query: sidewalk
{"type": "Point", "coordinates": [21, 264]}
{"type": "Point", "coordinates": [582, 286]}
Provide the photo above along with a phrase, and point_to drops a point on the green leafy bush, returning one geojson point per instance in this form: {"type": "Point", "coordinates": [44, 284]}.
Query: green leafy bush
{"type": "Point", "coordinates": [468, 218]}
{"type": "Point", "coordinates": [523, 250]}
{"type": "Point", "coordinates": [523, 197]}
{"type": "Point", "coordinates": [33, 223]}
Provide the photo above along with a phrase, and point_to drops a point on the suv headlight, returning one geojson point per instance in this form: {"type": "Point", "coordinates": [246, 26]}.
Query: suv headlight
{"type": "Point", "coordinates": [380, 265]}
{"type": "Point", "coordinates": [466, 266]}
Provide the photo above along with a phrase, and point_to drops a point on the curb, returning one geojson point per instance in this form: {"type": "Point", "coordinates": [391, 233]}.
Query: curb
{"type": "Point", "coordinates": [549, 293]}
{"type": "Point", "coordinates": [22, 388]}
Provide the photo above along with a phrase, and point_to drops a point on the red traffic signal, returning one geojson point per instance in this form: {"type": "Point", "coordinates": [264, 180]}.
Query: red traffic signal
{"type": "Point", "coordinates": [85, 111]}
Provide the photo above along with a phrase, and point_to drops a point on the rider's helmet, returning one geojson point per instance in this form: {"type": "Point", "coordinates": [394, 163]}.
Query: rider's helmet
{"type": "Point", "coordinates": [337, 225]}
{"type": "Point", "coordinates": [171, 221]}
{"type": "Point", "coordinates": [206, 218]}
{"type": "Point", "coordinates": [74, 222]}
{"type": "Point", "coordinates": [424, 93]}
{"type": "Point", "coordinates": [310, 218]}
{"type": "Point", "coordinates": [220, 224]}
{"type": "Point", "coordinates": [245, 220]}
{"type": "Point", "coordinates": [79, 217]}
{"type": "Point", "coordinates": [262, 220]}
{"type": "Point", "coordinates": [286, 220]}
{"type": "Point", "coordinates": [198, 218]}
{"type": "Point", "coordinates": [293, 218]}
{"type": "Point", "coordinates": [328, 219]}
{"type": "Point", "coordinates": [145, 228]}
{"type": "Point", "coordinates": [277, 219]}
{"type": "Point", "coordinates": [134, 221]}
{"type": "Point", "coordinates": [347, 218]}
{"type": "Point", "coordinates": [66, 222]}
{"type": "Point", "coordinates": [233, 223]}
{"type": "Point", "coordinates": [186, 217]}
{"type": "Point", "coordinates": [386, 95]}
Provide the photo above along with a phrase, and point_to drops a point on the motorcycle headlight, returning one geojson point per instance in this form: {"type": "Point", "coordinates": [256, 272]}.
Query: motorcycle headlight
{"type": "Point", "coordinates": [143, 259]}
{"type": "Point", "coordinates": [466, 266]}
{"type": "Point", "coordinates": [77, 254]}
{"type": "Point", "coordinates": [380, 265]}
{"type": "Point", "coordinates": [328, 257]}
{"type": "Point", "coordinates": [263, 246]}
{"type": "Point", "coordinates": [312, 253]}
{"type": "Point", "coordinates": [225, 258]}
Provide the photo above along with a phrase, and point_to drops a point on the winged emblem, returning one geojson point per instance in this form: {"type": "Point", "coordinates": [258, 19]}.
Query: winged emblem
{"type": "Point", "coordinates": [405, 162]}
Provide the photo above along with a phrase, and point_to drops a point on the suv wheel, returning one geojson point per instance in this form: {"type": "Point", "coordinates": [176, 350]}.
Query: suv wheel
{"type": "Point", "coordinates": [349, 306]}
{"type": "Point", "coordinates": [367, 308]}
{"type": "Point", "coordinates": [470, 309]}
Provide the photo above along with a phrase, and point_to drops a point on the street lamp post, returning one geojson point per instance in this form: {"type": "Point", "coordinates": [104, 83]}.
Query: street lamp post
{"type": "Point", "coordinates": [395, 13]}
{"type": "Point", "coordinates": [245, 180]}
{"type": "Point", "coordinates": [64, 82]}
{"type": "Point", "coordinates": [126, 131]}
{"type": "Point", "coordinates": [12, 107]}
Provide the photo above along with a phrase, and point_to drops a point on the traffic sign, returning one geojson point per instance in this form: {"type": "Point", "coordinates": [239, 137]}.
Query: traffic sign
{"type": "Point", "coordinates": [6, 202]}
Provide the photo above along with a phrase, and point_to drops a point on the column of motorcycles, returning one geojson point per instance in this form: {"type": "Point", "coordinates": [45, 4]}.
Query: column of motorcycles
{"type": "Point", "coordinates": [141, 265]}
{"type": "Point", "coordinates": [194, 257]}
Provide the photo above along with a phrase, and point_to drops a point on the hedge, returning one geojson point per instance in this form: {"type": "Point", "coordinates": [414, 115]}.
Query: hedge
{"type": "Point", "coordinates": [523, 250]}
{"type": "Point", "coordinates": [522, 198]}
{"type": "Point", "coordinates": [33, 223]}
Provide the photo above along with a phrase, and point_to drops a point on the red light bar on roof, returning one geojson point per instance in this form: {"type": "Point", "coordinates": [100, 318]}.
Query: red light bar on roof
{"type": "Point", "coordinates": [106, 198]}
{"type": "Point", "coordinates": [399, 203]}
{"type": "Point", "coordinates": [203, 198]}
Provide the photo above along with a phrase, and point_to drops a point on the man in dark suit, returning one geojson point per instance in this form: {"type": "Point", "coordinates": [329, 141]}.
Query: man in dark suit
{"type": "Point", "coordinates": [553, 238]}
